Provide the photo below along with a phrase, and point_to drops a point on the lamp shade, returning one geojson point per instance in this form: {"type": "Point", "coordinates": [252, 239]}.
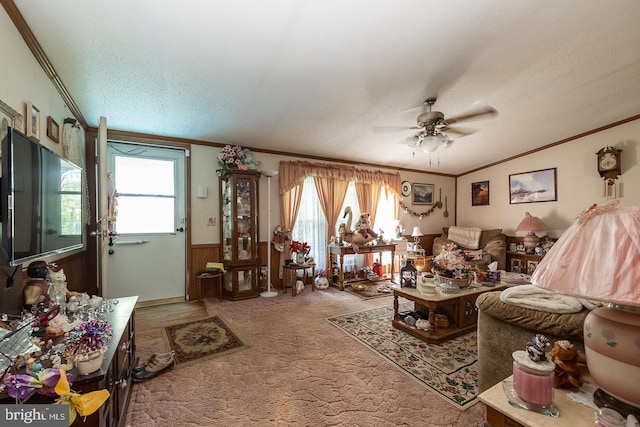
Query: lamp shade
{"type": "Point", "coordinates": [598, 258]}
{"type": "Point", "coordinates": [416, 232]}
{"type": "Point", "coordinates": [531, 223]}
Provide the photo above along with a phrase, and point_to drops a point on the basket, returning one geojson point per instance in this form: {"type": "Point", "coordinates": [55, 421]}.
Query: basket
{"type": "Point", "coordinates": [460, 283]}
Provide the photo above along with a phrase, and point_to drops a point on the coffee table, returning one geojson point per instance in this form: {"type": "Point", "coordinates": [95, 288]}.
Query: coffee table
{"type": "Point", "coordinates": [460, 309]}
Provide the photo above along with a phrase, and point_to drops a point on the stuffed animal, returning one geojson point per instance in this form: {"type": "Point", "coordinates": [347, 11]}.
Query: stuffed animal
{"type": "Point", "coordinates": [363, 226]}
{"type": "Point", "coordinates": [567, 371]}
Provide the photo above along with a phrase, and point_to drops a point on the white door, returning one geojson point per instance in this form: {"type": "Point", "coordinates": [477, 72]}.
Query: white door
{"type": "Point", "coordinates": [148, 257]}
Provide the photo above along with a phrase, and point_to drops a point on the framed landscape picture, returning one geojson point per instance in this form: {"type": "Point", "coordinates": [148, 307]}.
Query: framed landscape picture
{"type": "Point", "coordinates": [480, 193]}
{"type": "Point", "coordinates": [422, 194]}
{"type": "Point", "coordinates": [534, 186]}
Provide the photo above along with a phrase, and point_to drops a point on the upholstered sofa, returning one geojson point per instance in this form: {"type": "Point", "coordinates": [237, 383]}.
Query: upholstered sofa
{"type": "Point", "coordinates": [492, 243]}
{"type": "Point", "coordinates": [504, 328]}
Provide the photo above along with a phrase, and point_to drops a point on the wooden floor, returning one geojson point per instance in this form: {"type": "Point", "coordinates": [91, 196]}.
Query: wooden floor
{"type": "Point", "coordinates": [152, 317]}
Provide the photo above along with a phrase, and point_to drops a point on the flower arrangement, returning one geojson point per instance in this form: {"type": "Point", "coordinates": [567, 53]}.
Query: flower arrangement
{"type": "Point", "coordinates": [56, 382]}
{"type": "Point", "coordinates": [87, 338]}
{"type": "Point", "coordinates": [232, 157]}
{"type": "Point", "coordinates": [20, 386]}
{"type": "Point", "coordinates": [299, 247]}
{"type": "Point", "coordinates": [453, 263]}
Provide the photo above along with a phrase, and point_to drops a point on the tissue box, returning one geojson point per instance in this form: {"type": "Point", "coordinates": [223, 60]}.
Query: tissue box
{"type": "Point", "coordinates": [488, 277]}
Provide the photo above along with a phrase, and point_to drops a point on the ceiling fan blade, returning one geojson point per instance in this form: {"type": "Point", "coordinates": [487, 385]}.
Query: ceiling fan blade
{"type": "Point", "coordinates": [478, 113]}
{"type": "Point", "coordinates": [457, 130]}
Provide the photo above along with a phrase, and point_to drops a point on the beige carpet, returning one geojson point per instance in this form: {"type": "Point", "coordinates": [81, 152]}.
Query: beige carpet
{"type": "Point", "coordinates": [299, 370]}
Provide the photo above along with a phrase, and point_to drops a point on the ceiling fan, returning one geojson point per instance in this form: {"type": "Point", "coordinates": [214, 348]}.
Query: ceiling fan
{"type": "Point", "coordinates": [433, 127]}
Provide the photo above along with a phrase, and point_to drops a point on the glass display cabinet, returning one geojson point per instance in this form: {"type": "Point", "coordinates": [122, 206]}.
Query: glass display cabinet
{"type": "Point", "coordinates": [239, 233]}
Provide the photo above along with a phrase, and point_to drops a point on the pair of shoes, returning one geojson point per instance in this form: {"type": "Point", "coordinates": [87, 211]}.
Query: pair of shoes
{"type": "Point", "coordinates": [155, 367]}
{"type": "Point", "coordinates": [156, 356]}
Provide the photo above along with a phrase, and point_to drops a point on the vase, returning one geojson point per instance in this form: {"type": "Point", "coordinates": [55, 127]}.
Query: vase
{"type": "Point", "coordinates": [300, 257]}
{"type": "Point", "coordinates": [89, 363]}
{"type": "Point", "coordinates": [461, 283]}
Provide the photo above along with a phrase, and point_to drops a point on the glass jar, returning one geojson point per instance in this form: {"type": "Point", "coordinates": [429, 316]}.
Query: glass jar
{"type": "Point", "coordinates": [533, 381]}
{"type": "Point", "coordinates": [607, 417]}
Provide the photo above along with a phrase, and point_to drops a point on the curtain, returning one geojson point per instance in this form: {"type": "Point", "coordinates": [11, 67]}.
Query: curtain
{"type": "Point", "coordinates": [368, 198]}
{"type": "Point", "coordinates": [331, 194]}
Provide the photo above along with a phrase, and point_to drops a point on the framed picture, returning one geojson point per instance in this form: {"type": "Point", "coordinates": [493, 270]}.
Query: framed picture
{"type": "Point", "coordinates": [9, 117]}
{"type": "Point", "coordinates": [513, 247]}
{"type": "Point", "coordinates": [531, 266]}
{"type": "Point", "coordinates": [53, 130]}
{"type": "Point", "coordinates": [516, 265]}
{"type": "Point", "coordinates": [33, 122]}
{"type": "Point", "coordinates": [422, 194]}
{"type": "Point", "coordinates": [480, 193]}
{"type": "Point", "coordinates": [520, 247]}
{"type": "Point", "coordinates": [534, 186]}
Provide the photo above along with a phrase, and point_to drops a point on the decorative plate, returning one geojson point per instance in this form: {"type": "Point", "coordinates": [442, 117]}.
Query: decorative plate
{"type": "Point", "coordinates": [406, 188]}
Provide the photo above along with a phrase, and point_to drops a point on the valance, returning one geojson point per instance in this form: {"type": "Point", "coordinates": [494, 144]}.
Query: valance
{"type": "Point", "coordinates": [295, 172]}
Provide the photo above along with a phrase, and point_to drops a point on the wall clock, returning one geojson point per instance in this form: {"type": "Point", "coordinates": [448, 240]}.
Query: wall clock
{"type": "Point", "coordinates": [406, 188]}
{"type": "Point", "coordinates": [609, 163]}
{"type": "Point", "coordinates": [609, 169]}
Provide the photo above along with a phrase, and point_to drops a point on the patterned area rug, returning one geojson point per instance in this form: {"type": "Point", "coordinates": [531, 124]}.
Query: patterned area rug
{"type": "Point", "coordinates": [448, 369]}
{"type": "Point", "coordinates": [206, 338]}
{"type": "Point", "coordinates": [371, 289]}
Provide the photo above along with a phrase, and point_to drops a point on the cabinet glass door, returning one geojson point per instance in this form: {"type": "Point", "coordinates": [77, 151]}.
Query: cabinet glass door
{"type": "Point", "coordinates": [244, 219]}
{"type": "Point", "coordinates": [227, 221]}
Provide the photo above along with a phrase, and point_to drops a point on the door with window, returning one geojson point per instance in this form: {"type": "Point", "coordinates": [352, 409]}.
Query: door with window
{"type": "Point", "coordinates": [148, 255]}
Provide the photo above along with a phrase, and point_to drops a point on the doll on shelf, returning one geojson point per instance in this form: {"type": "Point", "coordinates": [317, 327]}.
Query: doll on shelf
{"type": "Point", "coordinates": [37, 289]}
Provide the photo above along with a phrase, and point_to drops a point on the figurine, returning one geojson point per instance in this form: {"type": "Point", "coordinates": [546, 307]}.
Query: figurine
{"type": "Point", "coordinates": [567, 371]}
{"type": "Point", "coordinates": [536, 349]}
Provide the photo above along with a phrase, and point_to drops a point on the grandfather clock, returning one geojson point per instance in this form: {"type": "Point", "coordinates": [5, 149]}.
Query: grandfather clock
{"type": "Point", "coordinates": [609, 169]}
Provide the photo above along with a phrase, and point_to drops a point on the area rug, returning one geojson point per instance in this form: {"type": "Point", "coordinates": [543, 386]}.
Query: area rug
{"type": "Point", "coordinates": [371, 289]}
{"type": "Point", "coordinates": [448, 369]}
{"type": "Point", "coordinates": [205, 338]}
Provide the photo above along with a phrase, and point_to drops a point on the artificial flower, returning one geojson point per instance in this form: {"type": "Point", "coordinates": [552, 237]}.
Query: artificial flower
{"type": "Point", "coordinates": [88, 337]}
{"type": "Point", "coordinates": [302, 247]}
{"type": "Point", "coordinates": [20, 386]}
{"type": "Point", "coordinates": [453, 262]}
{"type": "Point", "coordinates": [83, 404]}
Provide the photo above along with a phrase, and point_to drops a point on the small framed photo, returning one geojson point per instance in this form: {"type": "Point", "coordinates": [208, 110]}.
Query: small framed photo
{"type": "Point", "coordinates": [534, 186]}
{"type": "Point", "coordinates": [516, 265]}
{"type": "Point", "coordinates": [9, 117]}
{"type": "Point", "coordinates": [531, 266]}
{"type": "Point", "coordinates": [513, 247]}
{"type": "Point", "coordinates": [53, 130]}
{"type": "Point", "coordinates": [422, 194]}
{"type": "Point", "coordinates": [33, 122]}
{"type": "Point", "coordinates": [480, 193]}
{"type": "Point", "coordinates": [520, 247]}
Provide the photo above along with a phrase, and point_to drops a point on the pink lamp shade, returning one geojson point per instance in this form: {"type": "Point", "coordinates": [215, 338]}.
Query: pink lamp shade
{"type": "Point", "coordinates": [531, 224]}
{"type": "Point", "coordinates": [598, 258]}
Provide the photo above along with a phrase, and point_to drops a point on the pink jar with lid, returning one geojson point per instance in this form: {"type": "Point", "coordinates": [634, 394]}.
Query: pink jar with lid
{"type": "Point", "coordinates": [533, 381]}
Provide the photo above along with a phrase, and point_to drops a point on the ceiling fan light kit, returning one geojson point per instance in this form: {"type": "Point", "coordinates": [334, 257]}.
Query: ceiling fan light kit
{"type": "Point", "coordinates": [432, 126]}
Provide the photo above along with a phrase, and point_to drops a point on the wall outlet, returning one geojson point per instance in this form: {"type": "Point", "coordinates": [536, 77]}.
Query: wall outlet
{"type": "Point", "coordinates": [211, 221]}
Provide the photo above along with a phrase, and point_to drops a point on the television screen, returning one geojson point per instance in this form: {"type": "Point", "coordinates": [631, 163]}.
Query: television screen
{"type": "Point", "coordinates": [41, 201]}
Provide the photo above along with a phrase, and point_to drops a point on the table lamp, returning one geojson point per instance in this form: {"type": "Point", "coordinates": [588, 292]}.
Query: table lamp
{"type": "Point", "coordinates": [531, 224]}
{"type": "Point", "coordinates": [598, 258]}
{"type": "Point", "coordinates": [416, 234]}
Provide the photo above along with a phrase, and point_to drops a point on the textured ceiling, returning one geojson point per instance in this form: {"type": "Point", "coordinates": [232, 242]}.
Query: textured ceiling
{"type": "Point", "coordinates": [317, 77]}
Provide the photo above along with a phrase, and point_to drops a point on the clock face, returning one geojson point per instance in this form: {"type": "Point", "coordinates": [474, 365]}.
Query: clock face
{"type": "Point", "coordinates": [608, 161]}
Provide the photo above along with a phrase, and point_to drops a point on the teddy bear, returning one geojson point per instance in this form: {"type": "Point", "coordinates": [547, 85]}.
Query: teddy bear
{"type": "Point", "coordinates": [363, 226]}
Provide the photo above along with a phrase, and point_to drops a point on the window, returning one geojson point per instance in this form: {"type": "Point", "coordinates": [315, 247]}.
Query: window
{"type": "Point", "coordinates": [144, 205]}
{"type": "Point", "coordinates": [311, 224]}
{"type": "Point", "coordinates": [70, 202]}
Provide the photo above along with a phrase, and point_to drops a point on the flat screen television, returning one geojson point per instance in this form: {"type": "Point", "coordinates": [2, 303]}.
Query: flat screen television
{"type": "Point", "coordinates": [41, 201]}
